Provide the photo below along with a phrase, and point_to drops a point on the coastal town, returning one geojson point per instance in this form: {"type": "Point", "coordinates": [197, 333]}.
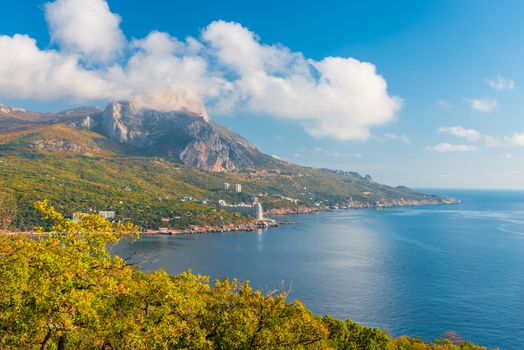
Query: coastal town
{"type": "Point", "coordinates": [257, 217]}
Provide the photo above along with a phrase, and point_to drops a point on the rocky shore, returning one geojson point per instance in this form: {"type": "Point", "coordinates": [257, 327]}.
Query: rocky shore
{"type": "Point", "coordinates": [363, 205]}
{"type": "Point", "coordinates": [293, 210]}
{"type": "Point", "coordinates": [194, 229]}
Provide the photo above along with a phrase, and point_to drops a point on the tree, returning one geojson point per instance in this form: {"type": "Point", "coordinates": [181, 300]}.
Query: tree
{"type": "Point", "coordinates": [7, 210]}
{"type": "Point", "coordinates": [65, 290]}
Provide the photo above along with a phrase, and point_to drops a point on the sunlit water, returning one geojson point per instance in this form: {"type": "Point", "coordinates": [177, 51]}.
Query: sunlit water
{"type": "Point", "coordinates": [418, 271]}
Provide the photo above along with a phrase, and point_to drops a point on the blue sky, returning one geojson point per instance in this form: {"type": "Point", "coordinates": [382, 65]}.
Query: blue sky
{"type": "Point", "coordinates": [457, 67]}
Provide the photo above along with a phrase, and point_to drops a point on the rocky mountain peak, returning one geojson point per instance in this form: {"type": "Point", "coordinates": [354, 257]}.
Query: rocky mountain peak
{"type": "Point", "coordinates": [185, 137]}
{"type": "Point", "coordinates": [149, 127]}
{"type": "Point", "coordinates": [10, 109]}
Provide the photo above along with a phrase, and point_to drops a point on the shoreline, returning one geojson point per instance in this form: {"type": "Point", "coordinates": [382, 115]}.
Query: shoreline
{"type": "Point", "coordinates": [302, 210]}
{"type": "Point", "coordinates": [360, 205]}
{"type": "Point", "coordinates": [195, 229]}
{"type": "Point", "coordinates": [264, 224]}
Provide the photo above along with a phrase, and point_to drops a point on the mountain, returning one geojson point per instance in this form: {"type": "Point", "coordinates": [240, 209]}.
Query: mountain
{"type": "Point", "coordinates": [17, 118]}
{"type": "Point", "coordinates": [142, 163]}
{"type": "Point", "coordinates": [182, 137]}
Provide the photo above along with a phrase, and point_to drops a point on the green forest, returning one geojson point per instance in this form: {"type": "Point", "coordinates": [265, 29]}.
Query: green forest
{"type": "Point", "coordinates": [146, 189]}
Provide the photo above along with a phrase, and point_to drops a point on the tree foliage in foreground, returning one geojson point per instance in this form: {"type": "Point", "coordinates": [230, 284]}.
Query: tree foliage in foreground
{"type": "Point", "coordinates": [7, 210]}
{"type": "Point", "coordinates": [64, 290]}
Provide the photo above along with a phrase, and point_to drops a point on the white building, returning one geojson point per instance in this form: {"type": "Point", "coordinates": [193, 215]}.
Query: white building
{"type": "Point", "coordinates": [226, 186]}
{"type": "Point", "coordinates": [106, 214]}
{"type": "Point", "coordinates": [254, 210]}
{"type": "Point", "coordinates": [237, 188]}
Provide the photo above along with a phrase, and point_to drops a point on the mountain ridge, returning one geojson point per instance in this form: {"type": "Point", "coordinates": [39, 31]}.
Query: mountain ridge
{"type": "Point", "coordinates": [179, 136]}
{"type": "Point", "coordinates": [144, 170]}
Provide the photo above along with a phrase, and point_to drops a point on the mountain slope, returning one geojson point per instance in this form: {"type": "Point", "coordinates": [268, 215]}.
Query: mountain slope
{"type": "Point", "coordinates": [14, 118]}
{"type": "Point", "coordinates": [181, 137]}
{"type": "Point", "coordinates": [142, 164]}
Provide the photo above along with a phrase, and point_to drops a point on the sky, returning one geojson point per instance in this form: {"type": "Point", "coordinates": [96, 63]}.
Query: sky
{"type": "Point", "coordinates": [416, 93]}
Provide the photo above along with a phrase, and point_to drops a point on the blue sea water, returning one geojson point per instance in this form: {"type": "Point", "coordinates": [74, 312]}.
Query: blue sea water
{"type": "Point", "coordinates": [418, 271]}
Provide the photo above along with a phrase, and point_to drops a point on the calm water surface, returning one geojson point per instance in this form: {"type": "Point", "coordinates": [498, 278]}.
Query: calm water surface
{"type": "Point", "coordinates": [418, 271]}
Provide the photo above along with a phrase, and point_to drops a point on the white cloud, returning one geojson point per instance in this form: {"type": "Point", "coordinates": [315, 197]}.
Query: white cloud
{"type": "Point", "coordinates": [167, 69]}
{"type": "Point", "coordinates": [398, 137]}
{"type": "Point", "coordinates": [514, 140]}
{"type": "Point", "coordinates": [500, 83]}
{"type": "Point", "coordinates": [458, 131]}
{"type": "Point", "coordinates": [483, 104]}
{"type": "Point", "coordinates": [335, 97]}
{"type": "Point", "coordinates": [28, 72]}
{"type": "Point", "coordinates": [86, 27]}
{"type": "Point", "coordinates": [453, 148]}
{"type": "Point", "coordinates": [517, 139]}
{"type": "Point", "coordinates": [228, 69]}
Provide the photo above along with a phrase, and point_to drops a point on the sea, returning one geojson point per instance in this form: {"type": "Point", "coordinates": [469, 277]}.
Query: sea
{"type": "Point", "coordinates": [416, 271]}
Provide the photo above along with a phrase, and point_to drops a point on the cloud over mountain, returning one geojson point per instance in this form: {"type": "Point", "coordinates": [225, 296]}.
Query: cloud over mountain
{"type": "Point", "coordinates": [228, 69]}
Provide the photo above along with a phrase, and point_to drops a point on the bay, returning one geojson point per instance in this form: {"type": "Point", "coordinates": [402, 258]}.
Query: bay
{"type": "Point", "coordinates": [417, 271]}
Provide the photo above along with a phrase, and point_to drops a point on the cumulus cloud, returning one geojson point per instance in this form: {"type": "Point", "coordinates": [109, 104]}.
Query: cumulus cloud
{"type": "Point", "coordinates": [167, 74]}
{"type": "Point", "coordinates": [453, 148]}
{"type": "Point", "coordinates": [517, 139]}
{"type": "Point", "coordinates": [86, 27]}
{"type": "Point", "coordinates": [483, 104]}
{"type": "Point", "coordinates": [28, 72]}
{"type": "Point", "coordinates": [514, 140]}
{"type": "Point", "coordinates": [458, 131]}
{"type": "Point", "coordinates": [500, 83]}
{"type": "Point", "coordinates": [227, 69]}
{"type": "Point", "coordinates": [335, 97]}
{"type": "Point", "coordinates": [169, 100]}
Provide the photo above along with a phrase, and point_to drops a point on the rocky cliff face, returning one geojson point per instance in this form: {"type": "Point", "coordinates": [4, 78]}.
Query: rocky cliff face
{"type": "Point", "coordinates": [65, 146]}
{"type": "Point", "coordinates": [182, 137]}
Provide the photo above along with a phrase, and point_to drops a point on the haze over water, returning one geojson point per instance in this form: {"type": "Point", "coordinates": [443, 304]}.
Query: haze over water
{"type": "Point", "coordinates": [419, 271]}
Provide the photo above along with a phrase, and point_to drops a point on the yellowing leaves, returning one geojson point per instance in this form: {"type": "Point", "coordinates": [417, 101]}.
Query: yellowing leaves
{"type": "Point", "coordinates": [65, 290]}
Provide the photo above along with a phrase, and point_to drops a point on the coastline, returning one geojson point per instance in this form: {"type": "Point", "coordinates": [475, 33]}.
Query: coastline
{"type": "Point", "coordinates": [301, 210]}
{"type": "Point", "coordinates": [203, 229]}
{"type": "Point", "coordinates": [264, 224]}
{"type": "Point", "coordinates": [362, 205]}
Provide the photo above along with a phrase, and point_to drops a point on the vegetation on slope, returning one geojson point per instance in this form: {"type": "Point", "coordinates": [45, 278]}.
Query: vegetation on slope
{"type": "Point", "coordinates": [82, 171]}
{"type": "Point", "coordinates": [64, 290]}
